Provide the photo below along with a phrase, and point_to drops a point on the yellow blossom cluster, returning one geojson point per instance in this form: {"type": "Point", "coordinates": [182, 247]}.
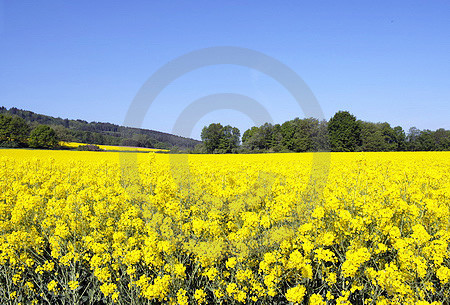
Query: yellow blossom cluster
{"type": "Point", "coordinates": [143, 228]}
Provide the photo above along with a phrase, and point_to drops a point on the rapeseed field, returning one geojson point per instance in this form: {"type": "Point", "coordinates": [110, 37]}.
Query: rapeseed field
{"type": "Point", "coordinates": [145, 228]}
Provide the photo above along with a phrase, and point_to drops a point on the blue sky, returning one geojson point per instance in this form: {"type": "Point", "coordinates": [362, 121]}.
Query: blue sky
{"type": "Point", "coordinates": [381, 60]}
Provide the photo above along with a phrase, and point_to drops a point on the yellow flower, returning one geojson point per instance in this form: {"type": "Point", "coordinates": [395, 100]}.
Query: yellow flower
{"type": "Point", "coordinates": [231, 262]}
{"type": "Point", "coordinates": [296, 294]}
{"type": "Point", "coordinates": [331, 278]}
{"type": "Point", "coordinates": [232, 288]}
{"type": "Point", "coordinates": [211, 273]}
{"type": "Point", "coordinates": [318, 212]}
{"type": "Point", "coordinates": [108, 288]}
{"type": "Point", "coordinates": [330, 296]}
{"type": "Point", "coordinates": [248, 225]}
{"type": "Point", "coordinates": [73, 285]}
{"type": "Point", "coordinates": [325, 255]}
{"type": "Point", "coordinates": [316, 299]}
{"type": "Point", "coordinates": [180, 270]}
{"type": "Point", "coordinates": [354, 258]}
{"type": "Point", "coordinates": [200, 296]}
{"type": "Point", "coordinates": [52, 286]}
{"type": "Point", "coordinates": [443, 274]}
{"type": "Point", "coordinates": [182, 299]}
{"type": "Point", "coordinates": [13, 295]}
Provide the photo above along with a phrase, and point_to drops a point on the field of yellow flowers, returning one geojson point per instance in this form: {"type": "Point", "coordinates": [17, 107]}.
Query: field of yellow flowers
{"type": "Point", "coordinates": [136, 228]}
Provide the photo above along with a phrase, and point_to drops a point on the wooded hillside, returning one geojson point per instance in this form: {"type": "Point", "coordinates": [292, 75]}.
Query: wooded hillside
{"type": "Point", "coordinates": [103, 133]}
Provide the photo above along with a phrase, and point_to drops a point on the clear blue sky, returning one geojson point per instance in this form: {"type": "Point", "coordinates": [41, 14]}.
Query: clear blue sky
{"type": "Point", "coordinates": [381, 60]}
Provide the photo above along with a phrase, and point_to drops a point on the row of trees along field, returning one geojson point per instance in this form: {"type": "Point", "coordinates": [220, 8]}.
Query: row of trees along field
{"type": "Point", "coordinates": [343, 132]}
{"type": "Point", "coordinates": [15, 133]}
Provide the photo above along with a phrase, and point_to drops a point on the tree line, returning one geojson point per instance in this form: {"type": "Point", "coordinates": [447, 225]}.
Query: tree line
{"type": "Point", "coordinates": [101, 133]}
{"type": "Point", "coordinates": [342, 133]}
{"type": "Point", "coordinates": [16, 133]}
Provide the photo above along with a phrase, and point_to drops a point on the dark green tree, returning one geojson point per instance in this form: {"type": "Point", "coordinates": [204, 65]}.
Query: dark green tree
{"type": "Point", "coordinates": [14, 131]}
{"type": "Point", "coordinates": [288, 132]}
{"type": "Point", "coordinates": [389, 137]}
{"type": "Point", "coordinates": [43, 137]}
{"type": "Point", "coordinates": [426, 140]}
{"type": "Point", "coordinates": [277, 139]}
{"type": "Point", "coordinates": [413, 139]}
{"type": "Point", "coordinates": [442, 139]}
{"type": "Point", "coordinates": [377, 137]}
{"type": "Point", "coordinates": [211, 136]}
{"type": "Point", "coordinates": [64, 134]}
{"type": "Point", "coordinates": [220, 139]}
{"type": "Point", "coordinates": [296, 135]}
{"type": "Point", "coordinates": [305, 132]}
{"type": "Point", "coordinates": [258, 138]}
{"type": "Point", "coordinates": [320, 136]}
{"type": "Point", "coordinates": [230, 139]}
{"type": "Point", "coordinates": [370, 139]}
{"type": "Point", "coordinates": [344, 132]}
{"type": "Point", "coordinates": [251, 139]}
{"type": "Point", "coordinates": [400, 138]}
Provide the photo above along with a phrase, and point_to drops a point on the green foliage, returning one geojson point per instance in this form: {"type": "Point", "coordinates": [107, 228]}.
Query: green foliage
{"type": "Point", "coordinates": [297, 135]}
{"type": "Point", "coordinates": [102, 133]}
{"type": "Point", "coordinates": [220, 139]}
{"type": "Point", "coordinates": [344, 132]}
{"type": "Point", "coordinates": [211, 136]}
{"type": "Point", "coordinates": [258, 138]}
{"type": "Point", "coordinates": [400, 138]}
{"type": "Point", "coordinates": [230, 139]}
{"type": "Point", "coordinates": [378, 137]}
{"type": "Point", "coordinates": [13, 131]}
{"type": "Point", "coordinates": [341, 133]}
{"type": "Point", "coordinates": [426, 140]}
{"type": "Point", "coordinates": [199, 149]}
{"type": "Point", "coordinates": [442, 139]}
{"type": "Point", "coordinates": [43, 137]}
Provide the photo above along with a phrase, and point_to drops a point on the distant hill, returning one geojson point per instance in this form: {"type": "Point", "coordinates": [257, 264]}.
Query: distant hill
{"type": "Point", "coordinates": [103, 133]}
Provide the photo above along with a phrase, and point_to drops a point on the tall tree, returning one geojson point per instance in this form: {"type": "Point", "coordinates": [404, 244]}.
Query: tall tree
{"type": "Point", "coordinates": [13, 131]}
{"type": "Point", "coordinates": [277, 139]}
{"type": "Point", "coordinates": [258, 138]}
{"type": "Point", "coordinates": [400, 138]}
{"type": "Point", "coordinates": [442, 139]}
{"type": "Point", "coordinates": [211, 136]}
{"type": "Point", "coordinates": [426, 140]}
{"type": "Point", "coordinates": [377, 137]}
{"type": "Point", "coordinates": [413, 139]}
{"type": "Point", "coordinates": [230, 139]}
{"type": "Point", "coordinates": [344, 132]}
{"type": "Point", "coordinates": [218, 138]}
{"type": "Point", "coordinates": [246, 136]}
{"type": "Point", "coordinates": [301, 139]}
{"type": "Point", "coordinates": [43, 137]}
{"type": "Point", "coordinates": [253, 139]}
{"type": "Point", "coordinates": [320, 136]}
